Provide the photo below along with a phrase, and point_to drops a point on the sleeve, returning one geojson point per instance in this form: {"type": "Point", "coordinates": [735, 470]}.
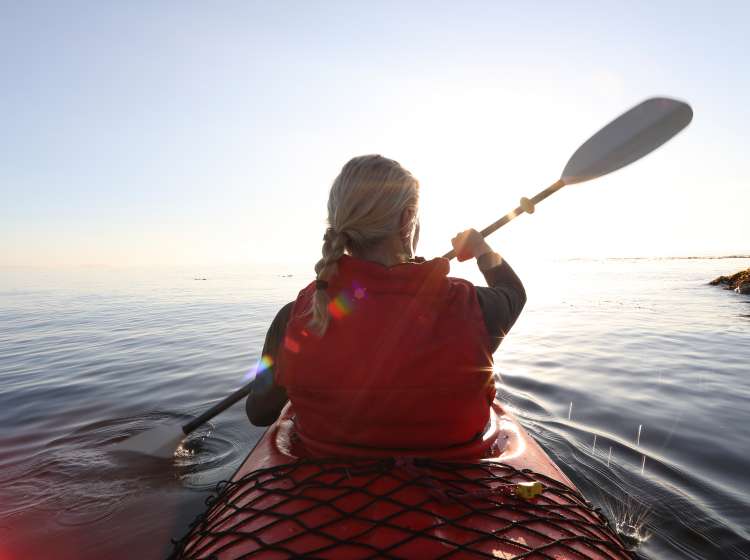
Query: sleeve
{"type": "Point", "coordinates": [265, 401]}
{"type": "Point", "coordinates": [501, 301]}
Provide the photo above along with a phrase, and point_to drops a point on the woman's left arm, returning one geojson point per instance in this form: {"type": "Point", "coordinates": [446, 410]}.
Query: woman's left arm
{"type": "Point", "coordinates": [266, 400]}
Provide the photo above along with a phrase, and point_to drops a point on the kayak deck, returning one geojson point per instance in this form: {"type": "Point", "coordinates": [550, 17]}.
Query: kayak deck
{"type": "Point", "coordinates": [282, 504]}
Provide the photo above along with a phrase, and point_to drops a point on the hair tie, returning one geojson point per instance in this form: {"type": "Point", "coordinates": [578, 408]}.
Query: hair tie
{"type": "Point", "coordinates": [321, 285]}
{"type": "Point", "coordinates": [329, 234]}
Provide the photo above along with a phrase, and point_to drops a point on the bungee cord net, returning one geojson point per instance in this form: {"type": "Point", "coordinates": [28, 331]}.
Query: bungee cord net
{"type": "Point", "coordinates": [397, 508]}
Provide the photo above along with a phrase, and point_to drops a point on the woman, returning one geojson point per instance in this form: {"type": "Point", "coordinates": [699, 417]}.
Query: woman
{"type": "Point", "coordinates": [383, 349]}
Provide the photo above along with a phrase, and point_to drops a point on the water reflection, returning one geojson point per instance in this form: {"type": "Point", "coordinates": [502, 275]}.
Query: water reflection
{"type": "Point", "coordinates": [633, 375]}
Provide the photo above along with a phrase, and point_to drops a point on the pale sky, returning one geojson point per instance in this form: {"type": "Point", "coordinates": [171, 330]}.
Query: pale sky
{"type": "Point", "coordinates": [198, 133]}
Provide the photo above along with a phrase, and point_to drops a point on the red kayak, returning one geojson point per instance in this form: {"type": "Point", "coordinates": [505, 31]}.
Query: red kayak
{"type": "Point", "coordinates": [499, 497]}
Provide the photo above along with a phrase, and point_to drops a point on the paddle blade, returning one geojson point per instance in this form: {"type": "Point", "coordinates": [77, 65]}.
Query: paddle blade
{"type": "Point", "coordinates": [160, 442]}
{"type": "Point", "coordinates": [628, 138]}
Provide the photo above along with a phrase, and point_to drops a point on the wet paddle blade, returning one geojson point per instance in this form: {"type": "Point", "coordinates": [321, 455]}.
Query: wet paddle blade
{"type": "Point", "coordinates": [160, 442]}
{"type": "Point", "coordinates": [628, 138]}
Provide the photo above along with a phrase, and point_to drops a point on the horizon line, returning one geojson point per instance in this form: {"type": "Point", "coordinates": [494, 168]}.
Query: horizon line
{"type": "Point", "coordinates": [301, 263]}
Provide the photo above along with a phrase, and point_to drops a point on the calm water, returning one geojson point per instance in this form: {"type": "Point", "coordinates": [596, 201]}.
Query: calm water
{"type": "Point", "coordinates": [633, 374]}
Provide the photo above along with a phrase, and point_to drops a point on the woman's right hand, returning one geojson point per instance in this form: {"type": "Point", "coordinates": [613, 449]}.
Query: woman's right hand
{"type": "Point", "coordinates": [470, 244]}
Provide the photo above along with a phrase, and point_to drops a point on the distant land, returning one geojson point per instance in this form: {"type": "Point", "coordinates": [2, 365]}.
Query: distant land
{"type": "Point", "coordinates": [704, 257]}
{"type": "Point", "coordinates": [262, 266]}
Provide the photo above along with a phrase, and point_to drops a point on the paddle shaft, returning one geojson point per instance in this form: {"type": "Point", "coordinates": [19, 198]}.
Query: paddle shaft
{"type": "Point", "coordinates": [238, 395]}
{"type": "Point", "coordinates": [554, 187]}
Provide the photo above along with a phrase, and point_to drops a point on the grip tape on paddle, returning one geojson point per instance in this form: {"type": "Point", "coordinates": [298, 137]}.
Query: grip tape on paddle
{"type": "Point", "coordinates": [527, 205]}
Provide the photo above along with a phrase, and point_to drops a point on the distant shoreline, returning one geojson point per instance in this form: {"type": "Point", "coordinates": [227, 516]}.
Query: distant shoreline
{"type": "Point", "coordinates": [268, 266]}
{"type": "Point", "coordinates": [657, 258]}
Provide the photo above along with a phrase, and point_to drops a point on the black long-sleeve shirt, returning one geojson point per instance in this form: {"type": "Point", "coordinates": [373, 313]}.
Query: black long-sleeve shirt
{"type": "Point", "coordinates": [501, 302]}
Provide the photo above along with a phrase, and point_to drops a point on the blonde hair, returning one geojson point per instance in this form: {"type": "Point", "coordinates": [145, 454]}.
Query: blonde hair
{"type": "Point", "coordinates": [365, 206]}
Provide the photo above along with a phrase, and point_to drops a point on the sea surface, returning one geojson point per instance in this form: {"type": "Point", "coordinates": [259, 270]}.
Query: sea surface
{"type": "Point", "coordinates": [633, 374]}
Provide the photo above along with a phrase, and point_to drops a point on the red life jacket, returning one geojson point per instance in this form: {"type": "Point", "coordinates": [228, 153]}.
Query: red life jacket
{"type": "Point", "coordinates": [404, 364]}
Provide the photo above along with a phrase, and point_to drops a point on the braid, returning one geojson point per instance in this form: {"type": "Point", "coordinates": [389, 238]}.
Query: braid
{"type": "Point", "coordinates": [334, 245]}
{"type": "Point", "coordinates": [365, 206]}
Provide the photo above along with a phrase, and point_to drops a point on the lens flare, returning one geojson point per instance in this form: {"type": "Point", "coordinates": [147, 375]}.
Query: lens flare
{"type": "Point", "coordinates": [291, 344]}
{"type": "Point", "coordinates": [340, 306]}
{"type": "Point", "coordinates": [263, 364]}
{"type": "Point", "coordinates": [360, 292]}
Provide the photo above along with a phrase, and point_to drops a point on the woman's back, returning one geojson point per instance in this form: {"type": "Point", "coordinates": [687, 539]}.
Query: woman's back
{"type": "Point", "coordinates": [377, 333]}
{"type": "Point", "coordinates": [399, 338]}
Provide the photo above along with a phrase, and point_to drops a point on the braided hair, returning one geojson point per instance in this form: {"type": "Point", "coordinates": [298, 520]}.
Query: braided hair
{"type": "Point", "coordinates": [365, 206]}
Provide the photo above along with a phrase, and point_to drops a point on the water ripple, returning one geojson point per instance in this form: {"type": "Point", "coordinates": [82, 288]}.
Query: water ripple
{"type": "Point", "coordinates": [607, 350]}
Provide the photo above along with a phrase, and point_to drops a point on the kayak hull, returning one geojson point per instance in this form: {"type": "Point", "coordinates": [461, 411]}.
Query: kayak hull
{"type": "Point", "coordinates": [291, 499]}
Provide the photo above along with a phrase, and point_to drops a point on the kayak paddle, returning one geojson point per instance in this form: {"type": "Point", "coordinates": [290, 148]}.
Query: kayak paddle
{"type": "Point", "coordinates": [163, 440]}
{"type": "Point", "coordinates": [626, 139]}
